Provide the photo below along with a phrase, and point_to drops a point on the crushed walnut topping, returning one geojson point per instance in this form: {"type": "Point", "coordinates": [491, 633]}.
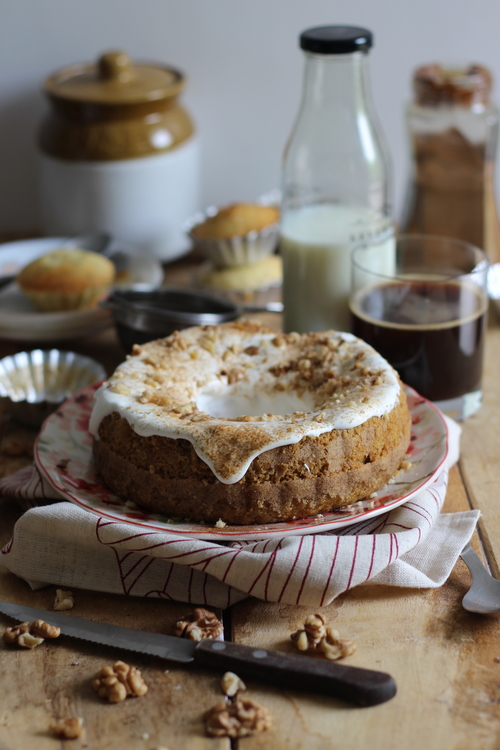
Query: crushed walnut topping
{"type": "Point", "coordinates": [201, 623]}
{"type": "Point", "coordinates": [171, 380]}
{"type": "Point", "coordinates": [30, 634]}
{"type": "Point", "coordinates": [317, 636]}
{"type": "Point", "coordinates": [242, 718]}
{"type": "Point", "coordinates": [67, 729]}
{"type": "Point", "coordinates": [118, 682]}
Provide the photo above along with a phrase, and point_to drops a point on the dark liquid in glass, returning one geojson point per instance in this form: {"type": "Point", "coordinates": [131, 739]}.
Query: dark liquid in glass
{"type": "Point", "coordinates": [431, 333]}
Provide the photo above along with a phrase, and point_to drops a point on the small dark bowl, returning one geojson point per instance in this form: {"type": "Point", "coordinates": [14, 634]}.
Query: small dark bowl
{"type": "Point", "coordinates": [142, 316]}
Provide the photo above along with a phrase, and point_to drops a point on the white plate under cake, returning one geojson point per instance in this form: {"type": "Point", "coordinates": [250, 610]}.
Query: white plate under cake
{"type": "Point", "coordinates": [241, 425]}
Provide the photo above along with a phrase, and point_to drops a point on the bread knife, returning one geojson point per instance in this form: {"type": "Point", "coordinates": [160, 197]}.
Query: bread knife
{"type": "Point", "coordinates": [364, 687]}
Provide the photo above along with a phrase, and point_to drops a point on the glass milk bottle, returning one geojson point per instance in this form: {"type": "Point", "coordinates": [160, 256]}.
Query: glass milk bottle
{"type": "Point", "coordinates": [335, 181]}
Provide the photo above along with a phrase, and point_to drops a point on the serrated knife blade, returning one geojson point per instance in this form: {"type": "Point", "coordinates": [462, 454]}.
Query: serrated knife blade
{"type": "Point", "coordinates": [154, 644]}
{"type": "Point", "coordinates": [365, 687]}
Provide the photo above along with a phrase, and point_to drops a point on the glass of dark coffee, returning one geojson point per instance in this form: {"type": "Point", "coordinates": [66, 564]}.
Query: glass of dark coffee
{"type": "Point", "coordinates": [425, 310]}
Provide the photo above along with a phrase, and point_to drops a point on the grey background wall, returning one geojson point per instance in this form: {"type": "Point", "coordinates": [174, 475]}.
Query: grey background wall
{"type": "Point", "coordinates": [244, 72]}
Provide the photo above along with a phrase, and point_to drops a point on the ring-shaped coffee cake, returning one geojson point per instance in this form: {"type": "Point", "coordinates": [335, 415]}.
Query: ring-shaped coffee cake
{"type": "Point", "coordinates": [238, 424]}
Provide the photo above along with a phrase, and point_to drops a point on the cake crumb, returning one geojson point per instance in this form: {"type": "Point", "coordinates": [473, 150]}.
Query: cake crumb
{"type": "Point", "coordinates": [220, 524]}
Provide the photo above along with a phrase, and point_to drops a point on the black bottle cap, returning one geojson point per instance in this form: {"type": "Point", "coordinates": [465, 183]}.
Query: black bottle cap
{"type": "Point", "coordinates": [336, 40]}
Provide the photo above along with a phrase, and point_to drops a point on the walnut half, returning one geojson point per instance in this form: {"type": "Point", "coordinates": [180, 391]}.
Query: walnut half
{"type": "Point", "coordinates": [231, 684]}
{"type": "Point", "coordinates": [314, 630]}
{"type": "Point", "coordinates": [63, 600]}
{"type": "Point", "coordinates": [201, 623]}
{"type": "Point", "coordinates": [239, 719]}
{"type": "Point", "coordinates": [118, 681]}
{"type": "Point", "coordinates": [316, 636]}
{"type": "Point", "coordinates": [334, 647]}
{"type": "Point", "coordinates": [30, 634]}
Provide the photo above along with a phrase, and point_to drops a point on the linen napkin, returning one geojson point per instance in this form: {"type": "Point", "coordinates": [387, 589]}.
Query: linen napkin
{"type": "Point", "coordinates": [414, 545]}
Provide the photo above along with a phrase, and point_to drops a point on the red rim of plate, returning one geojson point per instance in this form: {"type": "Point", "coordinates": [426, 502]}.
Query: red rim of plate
{"type": "Point", "coordinates": [232, 532]}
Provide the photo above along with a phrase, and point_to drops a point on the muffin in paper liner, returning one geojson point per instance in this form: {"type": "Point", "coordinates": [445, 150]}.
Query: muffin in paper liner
{"type": "Point", "coordinates": [66, 279]}
{"type": "Point", "coordinates": [255, 284]}
{"type": "Point", "coordinates": [235, 235]}
{"type": "Point", "coordinates": [38, 381]}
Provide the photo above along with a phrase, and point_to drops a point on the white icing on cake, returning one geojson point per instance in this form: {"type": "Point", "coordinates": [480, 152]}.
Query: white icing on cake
{"type": "Point", "coordinates": [237, 390]}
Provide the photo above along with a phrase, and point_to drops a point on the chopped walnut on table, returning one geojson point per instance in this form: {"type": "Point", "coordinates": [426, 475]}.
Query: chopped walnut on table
{"type": "Point", "coordinates": [119, 681]}
{"type": "Point", "coordinates": [231, 684]}
{"type": "Point", "coordinates": [68, 729]}
{"type": "Point", "coordinates": [316, 636]}
{"type": "Point", "coordinates": [201, 623]}
{"type": "Point", "coordinates": [63, 600]}
{"type": "Point", "coordinates": [334, 647]}
{"type": "Point", "coordinates": [30, 634]}
{"type": "Point", "coordinates": [239, 719]}
{"type": "Point", "coordinates": [314, 630]}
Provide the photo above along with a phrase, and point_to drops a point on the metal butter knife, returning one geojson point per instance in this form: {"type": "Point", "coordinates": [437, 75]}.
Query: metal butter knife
{"type": "Point", "coordinates": [365, 687]}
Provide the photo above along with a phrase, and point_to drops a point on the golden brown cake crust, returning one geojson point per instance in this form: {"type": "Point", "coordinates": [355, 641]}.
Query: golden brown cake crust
{"type": "Point", "coordinates": [312, 476]}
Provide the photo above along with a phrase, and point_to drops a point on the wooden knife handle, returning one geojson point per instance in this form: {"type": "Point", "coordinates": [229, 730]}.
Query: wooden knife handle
{"type": "Point", "coordinates": [365, 687]}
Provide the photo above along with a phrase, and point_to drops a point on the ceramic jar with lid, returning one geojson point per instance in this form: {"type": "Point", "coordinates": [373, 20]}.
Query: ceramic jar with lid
{"type": "Point", "coordinates": [118, 152]}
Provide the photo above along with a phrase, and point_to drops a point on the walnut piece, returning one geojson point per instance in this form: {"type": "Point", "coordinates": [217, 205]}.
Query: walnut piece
{"type": "Point", "coordinates": [334, 647]}
{"type": "Point", "coordinates": [316, 636]}
{"type": "Point", "coordinates": [63, 600]}
{"type": "Point", "coordinates": [30, 634]}
{"type": "Point", "coordinates": [10, 635]}
{"type": "Point", "coordinates": [42, 629]}
{"type": "Point", "coordinates": [201, 623]}
{"type": "Point", "coordinates": [239, 719]}
{"type": "Point", "coordinates": [68, 729]}
{"type": "Point", "coordinates": [231, 684]}
{"type": "Point", "coordinates": [26, 640]}
{"type": "Point", "coordinates": [314, 630]}
{"type": "Point", "coordinates": [118, 681]}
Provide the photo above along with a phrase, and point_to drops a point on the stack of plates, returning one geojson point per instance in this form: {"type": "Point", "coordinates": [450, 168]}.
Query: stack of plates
{"type": "Point", "coordinates": [20, 321]}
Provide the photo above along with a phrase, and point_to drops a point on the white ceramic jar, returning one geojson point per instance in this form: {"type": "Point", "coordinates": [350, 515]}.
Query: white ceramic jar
{"type": "Point", "coordinates": [117, 152]}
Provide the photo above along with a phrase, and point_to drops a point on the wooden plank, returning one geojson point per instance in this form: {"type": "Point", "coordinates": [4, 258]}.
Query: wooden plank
{"type": "Point", "coordinates": [53, 680]}
{"type": "Point", "coordinates": [442, 658]}
{"type": "Point", "coordinates": [480, 453]}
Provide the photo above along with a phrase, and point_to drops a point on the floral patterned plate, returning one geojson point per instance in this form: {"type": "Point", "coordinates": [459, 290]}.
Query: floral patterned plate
{"type": "Point", "coordinates": [63, 453]}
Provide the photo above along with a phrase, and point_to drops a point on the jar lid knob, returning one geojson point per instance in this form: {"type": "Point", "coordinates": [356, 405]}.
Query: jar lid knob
{"type": "Point", "coordinates": [117, 67]}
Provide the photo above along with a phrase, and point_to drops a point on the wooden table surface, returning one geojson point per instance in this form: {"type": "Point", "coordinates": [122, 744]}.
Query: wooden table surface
{"type": "Point", "coordinates": [446, 662]}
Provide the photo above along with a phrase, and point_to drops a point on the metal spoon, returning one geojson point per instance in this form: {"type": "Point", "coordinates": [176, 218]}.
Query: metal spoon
{"type": "Point", "coordinates": [484, 594]}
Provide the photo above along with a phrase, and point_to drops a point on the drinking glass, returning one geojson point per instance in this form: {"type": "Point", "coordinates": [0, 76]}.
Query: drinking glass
{"type": "Point", "coordinates": [426, 315]}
